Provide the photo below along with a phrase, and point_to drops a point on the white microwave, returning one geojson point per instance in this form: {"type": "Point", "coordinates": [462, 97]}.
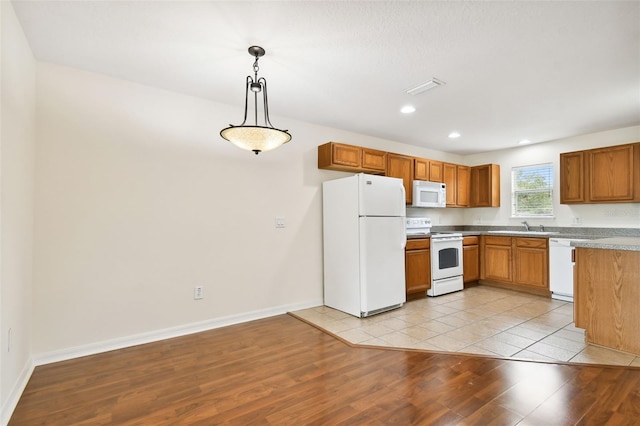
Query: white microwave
{"type": "Point", "coordinates": [429, 194]}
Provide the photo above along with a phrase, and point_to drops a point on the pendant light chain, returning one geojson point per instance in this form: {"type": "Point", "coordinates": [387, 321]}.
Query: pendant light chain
{"type": "Point", "coordinates": [256, 68]}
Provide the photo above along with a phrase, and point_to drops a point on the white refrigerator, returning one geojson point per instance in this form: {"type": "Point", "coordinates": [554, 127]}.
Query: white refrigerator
{"type": "Point", "coordinates": [364, 240]}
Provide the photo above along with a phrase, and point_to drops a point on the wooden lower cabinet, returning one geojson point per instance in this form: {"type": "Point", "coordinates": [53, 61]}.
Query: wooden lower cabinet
{"type": "Point", "coordinates": [470, 259]}
{"type": "Point", "coordinates": [531, 267]}
{"type": "Point", "coordinates": [496, 255]}
{"type": "Point", "coordinates": [606, 295]}
{"type": "Point", "coordinates": [417, 262]}
{"type": "Point", "coordinates": [518, 263]}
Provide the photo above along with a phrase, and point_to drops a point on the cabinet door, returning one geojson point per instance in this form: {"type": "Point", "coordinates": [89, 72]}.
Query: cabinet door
{"type": "Point", "coordinates": [485, 186]}
{"type": "Point", "coordinates": [497, 263]}
{"type": "Point", "coordinates": [611, 173]}
{"type": "Point", "coordinates": [463, 182]}
{"type": "Point", "coordinates": [531, 262]}
{"type": "Point", "coordinates": [346, 155]}
{"type": "Point", "coordinates": [418, 271]}
{"type": "Point", "coordinates": [436, 171]}
{"type": "Point", "coordinates": [401, 166]}
{"type": "Point", "coordinates": [572, 177]}
{"type": "Point", "coordinates": [451, 180]}
{"type": "Point", "coordinates": [470, 263]}
{"type": "Point", "coordinates": [421, 169]}
{"type": "Point", "coordinates": [374, 160]}
{"type": "Point", "coordinates": [428, 170]}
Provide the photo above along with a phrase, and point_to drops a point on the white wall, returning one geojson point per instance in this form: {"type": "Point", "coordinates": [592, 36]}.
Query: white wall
{"type": "Point", "coordinates": [138, 200]}
{"type": "Point", "coordinates": [17, 139]}
{"type": "Point", "coordinates": [625, 215]}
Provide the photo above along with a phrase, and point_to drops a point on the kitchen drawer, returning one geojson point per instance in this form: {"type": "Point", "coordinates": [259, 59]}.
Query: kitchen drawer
{"type": "Point", "coordinates": [470, 241]}
{"type": "Point", "coordinates": [422, 243]}
{"type": "Point", "coordinates": [532, 242]}
{"type": "Point", "coordinates": [497, 241]}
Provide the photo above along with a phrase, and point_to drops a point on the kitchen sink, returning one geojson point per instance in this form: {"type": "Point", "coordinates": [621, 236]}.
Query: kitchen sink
{"type": "Point", "coordinates": [523, 232]}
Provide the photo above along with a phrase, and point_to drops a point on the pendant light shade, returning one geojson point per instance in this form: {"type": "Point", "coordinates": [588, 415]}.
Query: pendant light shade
{"type": "Point", "coordinates": [254, 137]}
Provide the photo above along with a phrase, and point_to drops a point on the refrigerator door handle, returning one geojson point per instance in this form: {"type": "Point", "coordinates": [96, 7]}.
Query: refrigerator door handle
{"type": "Point", "coordinates": [404, 194]}
{"type": "Point", "coordinates": [404, 233]}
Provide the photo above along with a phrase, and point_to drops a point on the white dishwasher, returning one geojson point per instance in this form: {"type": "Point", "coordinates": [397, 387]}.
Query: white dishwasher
{"type": "Point", "coordinates": [561, 268]}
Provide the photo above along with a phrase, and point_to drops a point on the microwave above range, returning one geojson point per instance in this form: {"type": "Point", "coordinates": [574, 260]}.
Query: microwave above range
{"type": "Point", "coordinates": [429, 194]}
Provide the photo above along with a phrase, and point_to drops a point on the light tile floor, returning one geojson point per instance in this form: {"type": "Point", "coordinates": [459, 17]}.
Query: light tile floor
{"type": "Point", "coordinates": [479, 320]}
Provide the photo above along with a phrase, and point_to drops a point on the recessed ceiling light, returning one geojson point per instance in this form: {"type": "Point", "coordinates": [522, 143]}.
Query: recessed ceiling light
{"type": "Point", "coordinates": [408, 109]}
{"type": "Point", "coordinates": [423, 87]}
{"type": "Point", "coordinates": [524, 142]}
{"type": "Point", "coordinates": [454, 135]}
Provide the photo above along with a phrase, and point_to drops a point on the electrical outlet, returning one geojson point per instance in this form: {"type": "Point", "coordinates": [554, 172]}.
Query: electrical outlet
{"type": "Point", "coordinates": [279, 222]}
{"type": "Point", "coordinates": [198, 293]}
{"type": "Point", "coordinates": [576, 220]}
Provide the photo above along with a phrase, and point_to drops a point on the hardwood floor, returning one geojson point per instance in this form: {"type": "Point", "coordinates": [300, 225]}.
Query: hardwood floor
{"type": "Point", "coordinates": [283, 371]}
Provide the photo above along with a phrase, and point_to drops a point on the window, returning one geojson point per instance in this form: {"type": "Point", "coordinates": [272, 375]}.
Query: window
{"type": "Point", "coordinates": [531, 191]}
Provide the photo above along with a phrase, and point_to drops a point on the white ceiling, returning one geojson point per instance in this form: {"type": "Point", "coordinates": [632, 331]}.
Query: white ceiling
{"type": "Point", "coordinates": [540, 70]}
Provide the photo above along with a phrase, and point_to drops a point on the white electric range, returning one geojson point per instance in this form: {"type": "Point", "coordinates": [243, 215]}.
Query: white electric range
{"type": "Point", "coordinates": [446, 256]}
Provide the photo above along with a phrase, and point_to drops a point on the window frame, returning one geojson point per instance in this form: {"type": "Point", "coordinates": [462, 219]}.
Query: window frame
{"type": "Point", "coordinates": [515, 213]}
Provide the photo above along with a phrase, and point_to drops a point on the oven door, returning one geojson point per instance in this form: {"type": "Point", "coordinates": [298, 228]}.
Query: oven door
{"type": "Point", "coordinates": [446, 257]}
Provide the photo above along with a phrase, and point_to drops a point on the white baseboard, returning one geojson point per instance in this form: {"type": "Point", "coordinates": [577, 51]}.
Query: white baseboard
{"type": "Point", "coordinates": [16, 392]}
{"type": "Point", "coordinates": [138, 339]}
{"type": "Point", "coordinates": [153, 336]}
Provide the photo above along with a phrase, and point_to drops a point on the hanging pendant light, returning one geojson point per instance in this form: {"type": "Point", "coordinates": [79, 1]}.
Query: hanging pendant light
{"type": "Point", "coordinates": [254, 137]}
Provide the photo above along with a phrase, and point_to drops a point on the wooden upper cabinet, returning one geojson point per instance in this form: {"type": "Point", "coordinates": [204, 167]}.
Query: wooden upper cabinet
{"type": "Point", "coordinates": [421, 169]}
{"type": "Point", "coordinates": [401, 166]}
{"type": "Point", "coordinates": [343, 155]}
{"type": "Point", "coordinates": [572, 177]}
{"type": "Point", "coordinates": [457, 178]}
{"type": "Point", "coordinates": [451, 181]}
{"type": "Point", "coordinates": [425, 169]}
{"type": "Point", "coordinates": [601, 175]}
{"type": "Point", "coordinates": [611, 173]}
{"type": "Point", "coordinates": [436, 171]}
{"type": "Point", "coordinates": [373, 159]}
{"type": "Point", "coordinates": [464, 186]}
{"type": "Point", "coordinates": [349, 158]}
{"type": "Point", "coordinates": [485, 186]}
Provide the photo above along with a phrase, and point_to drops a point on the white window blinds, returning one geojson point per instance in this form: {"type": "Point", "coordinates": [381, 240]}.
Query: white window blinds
{"type": "Point", "coordinates": [531, 191]}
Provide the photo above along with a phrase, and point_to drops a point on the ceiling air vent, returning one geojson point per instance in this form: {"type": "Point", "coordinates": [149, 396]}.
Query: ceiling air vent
{"type": "Point", "coordinates": [423, 87]}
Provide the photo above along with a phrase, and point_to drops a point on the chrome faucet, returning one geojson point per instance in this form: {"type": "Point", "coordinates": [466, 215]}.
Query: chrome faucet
{"type": "Point", "coordinates": [541, 228]}
{"type": "Point", "coordinates": [526, 225]}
